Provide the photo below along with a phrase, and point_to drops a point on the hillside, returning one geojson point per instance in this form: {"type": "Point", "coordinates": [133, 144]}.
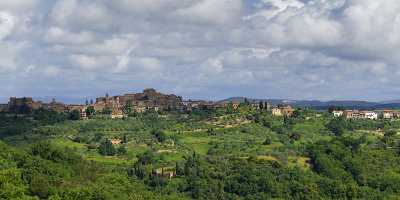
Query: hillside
{"type": "Point", "coordinates": [205, 154]}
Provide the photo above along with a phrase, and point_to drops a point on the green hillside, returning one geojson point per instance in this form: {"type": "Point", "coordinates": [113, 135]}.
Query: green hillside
{"type": "Point", "coordinates": [214, 154]}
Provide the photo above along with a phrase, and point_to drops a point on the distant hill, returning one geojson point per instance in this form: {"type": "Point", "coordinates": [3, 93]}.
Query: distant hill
{"type": "Point", "coordinates": [324, 105]}
{"type": "Point", "coordinates": [397, 101]}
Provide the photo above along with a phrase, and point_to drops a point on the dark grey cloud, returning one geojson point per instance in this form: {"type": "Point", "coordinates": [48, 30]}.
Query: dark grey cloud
{"type": "Point", "coordinates": [300, 49]}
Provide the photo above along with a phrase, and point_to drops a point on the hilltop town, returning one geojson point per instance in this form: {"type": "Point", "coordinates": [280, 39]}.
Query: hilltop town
{"type": "Point", "coordinates": [150, 100]}
{"type": "Point", "coordinates": [119, 106]}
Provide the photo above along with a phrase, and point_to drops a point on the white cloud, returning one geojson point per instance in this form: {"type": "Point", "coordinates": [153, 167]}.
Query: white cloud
{"type": "Point", "coordinates": [85, 62]}
{"type": "Point", "coordinates": [212, 11]}
{"type": "Point", "coordinates": [57, 35]}
{"type": "Point", "coordinates": [124, 60]}
{"type": "Point", "coordinates": [277, 6]}
{"type": "Point", "coordinates": [7, 23]}
{"type": "Point", "coordinates": [18, 5]}
{"type": "Point", "coordinates": [264, 48]}
{"type": "Point", "coordinates": [78, 14]}
{"type": "Point", "coordinates": [51, 71]}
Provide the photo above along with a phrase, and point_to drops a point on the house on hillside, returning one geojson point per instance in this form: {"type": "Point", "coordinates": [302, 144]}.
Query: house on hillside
{"type": "Point", "coordinates": [235, 105]}
{"type": "Point", "coordinates": [276, 112]}
{"type": "Point", "coordinates": [369, 115]}
{"type": "Point", "coordinates": [355, 114]}
{"type": "Point", "coordinates": [351, 114]}
{"type": "Point", "coordinates": [117, 114]}
{"type": "Point", "coordinates": [165, 172]}
{"type": "Point", "coordinates": [80, 108]}
{"type": "Point", "coordinates": [337, 113]}
{"type": "Point", "coordinates": [388, 114]}
{"type": "Point", "coordinates": [286, 110]}
{"type": "Point", "coordinates": [261, 105]}
{"type": "Point", "coordinates": [116, 141]}
{"type": "Point", "coordinates": [283, 110]}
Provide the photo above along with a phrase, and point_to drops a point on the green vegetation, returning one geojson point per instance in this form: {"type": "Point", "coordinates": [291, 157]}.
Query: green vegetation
{"type": "Point", "coordinates": [206, 154]}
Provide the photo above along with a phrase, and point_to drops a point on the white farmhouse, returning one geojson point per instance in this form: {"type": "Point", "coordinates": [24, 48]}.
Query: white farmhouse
{"type": "Point", "coordinates": [337, 113]}
{"type": "Point", "coordinates": [370, 115]}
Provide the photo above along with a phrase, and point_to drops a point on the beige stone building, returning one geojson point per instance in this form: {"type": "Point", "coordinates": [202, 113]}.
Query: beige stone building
{"type": "Point", "coordinates": [283, 110]}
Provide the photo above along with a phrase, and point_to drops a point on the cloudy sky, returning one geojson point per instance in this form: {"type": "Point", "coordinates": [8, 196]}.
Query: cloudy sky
{"type": "Point", "coordinates": [209, 49]}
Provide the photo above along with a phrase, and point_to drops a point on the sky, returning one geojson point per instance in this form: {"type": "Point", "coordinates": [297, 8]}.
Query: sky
{"type": "Point", "coordinates": [201, 49]}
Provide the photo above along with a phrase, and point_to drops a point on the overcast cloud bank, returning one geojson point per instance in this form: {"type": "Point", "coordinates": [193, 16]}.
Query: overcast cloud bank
{"type": "Point", "coordinates": [299, 49]}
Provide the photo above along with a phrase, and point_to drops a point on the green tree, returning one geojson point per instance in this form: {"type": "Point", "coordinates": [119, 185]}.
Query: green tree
{"type": "Point", "coordinates": [388, 137]}
{"type": "Point", "coordinates": [146, 158]}
{"type": "Point", "coordinates": [107, 148]}
{"type": "Point", "coordinates": [121, 150]}
{"type": "Point", "coordinates": [75, 115]}
{"type": "Point", "coordinates": [125, 139]}
{"type": "Point", "coordinates": [128, 107]}
{"type": "Point", "coordinates": [106, 111]}
{"type": "Point", "coordinates": [159, 135]}
{"type": "Point", "coordinates": [90, 111]}
{"type": "Point", "coordinates": [337, 126]}
{"type": "Point", "coordinates": [268, 140]}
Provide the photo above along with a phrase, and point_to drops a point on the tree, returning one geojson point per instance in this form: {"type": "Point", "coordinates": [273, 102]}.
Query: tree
{"type": "Point", "coordinates": [75, 115]}
{"type": "Point", "coordinates": [127, 109]}
{"type": "Point", "coordinates": [90, 111]}
{"type": "Point", "coordinates": [211, 132]}
{"type": "Point", "coordinates": [268, 140]}
{"type": "Point", "coordinates": [146, 158]}
{"type": "Point", "coordinates": [122, 150]}
{"type": "Point", "coordinates": [337, 126]}
{"type": "Point", "coordinates": [159, 135]}
{"type": "Point", "coordinates": [295, 136]}
{"type": "Point", "coordinates": [106, 111]}
{"type": "Point", "coordinates": [106, 148]}
{"type": "Point", "coordinates": [124, 139]}
{"type": "Point", "coordinates": [261, 105]}
{"type": "Point", "coordinates": [390, 133]}
{"type": "Point", "coordinates": [388, 138]}
{"type": "Point", "coordinates": [138, 170]}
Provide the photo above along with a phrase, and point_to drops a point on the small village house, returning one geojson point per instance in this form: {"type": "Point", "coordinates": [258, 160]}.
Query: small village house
{"type": "Point", "coordinates": [80, 108]}
{"type": "Point", "coordinates": [351, 114]}
{"type": "Point", "coordinates": [276, 112]}
{"type": "Point", "coordinates": [235, 105]}
{"type": "Point", "coordinates": [355, 114]}
{"type": "Point", "coordinates": [337, 113]}
{"type": "Point", "coordinates": [369, 115]}
{"type": "Point", "coordinates": [116, 141]}
{"type": "Point", "coordinates": [388, 114]}
{"type": "Point", "coordinates": [283, 110]}
{"type": "Point", "coordinates": [287, 110]}
{"type": "Point", "coordinates": [165, 172]}
{"type": "Point", "coordinates": [117, 114]}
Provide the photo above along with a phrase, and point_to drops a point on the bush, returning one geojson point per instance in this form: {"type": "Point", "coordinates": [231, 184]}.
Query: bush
{"type": "Point", "coordinates": [159, 135]}
{"type": "Point", "coordinates": [268, 141]}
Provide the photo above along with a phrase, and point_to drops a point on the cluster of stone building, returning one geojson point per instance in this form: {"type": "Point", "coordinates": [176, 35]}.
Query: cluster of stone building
{"type": "Point", "coordinates": [26, 105]}
{"type": "Point", "coordinates": [148, 100]}
{"type": "Point", "coordinates": [373, 115]}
